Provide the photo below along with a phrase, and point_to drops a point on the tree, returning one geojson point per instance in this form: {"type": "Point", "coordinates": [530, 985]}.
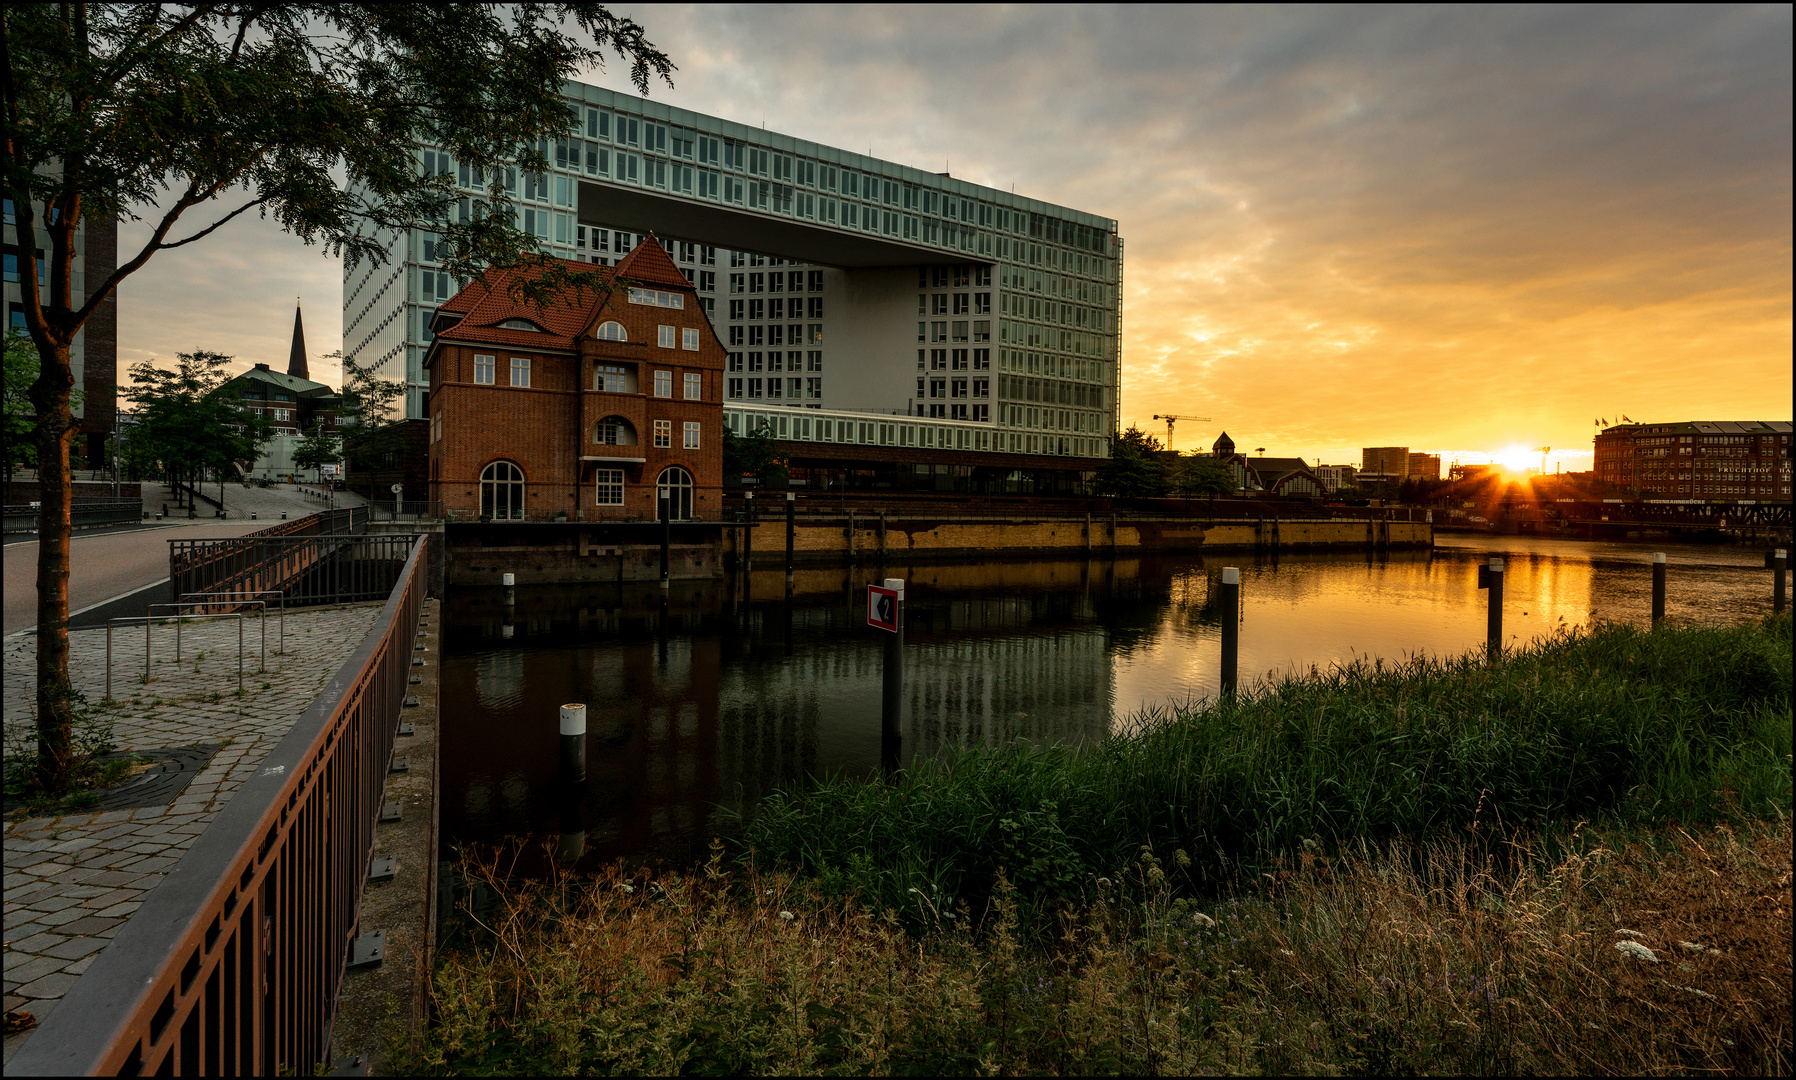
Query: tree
{"type": "Point", "coordinates": [192, 115]}
{"type": "Point", "coordinates": [1133, 470]}
{"type": "Point", "coordinates": [188, 421]}
{"type": "Point", "coordinates": [1206, 476]}
{"type": "Point", "coordinates": [372, 432]}
{"type": "Point", "coordinates": [317, 449]}
{"type": "Point", "coordinates": [755, 454]}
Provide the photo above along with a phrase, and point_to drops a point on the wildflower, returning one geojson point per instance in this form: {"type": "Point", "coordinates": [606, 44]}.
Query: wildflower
{"type": "Point", "coordinates": [626, 887]}
{"type": "Point", "coordinates": [1637, 951]}
{"type": "Point", "coordinates": [786, 915]}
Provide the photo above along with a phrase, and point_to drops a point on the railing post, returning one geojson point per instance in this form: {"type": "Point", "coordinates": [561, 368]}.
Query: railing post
{"type": "Point", "coordinates": [1231, 628]}
{"type": "Point", "coordinates": [1780, 560]}
{"type": "Point", "coordinates": [791, 528]}
{"type": "Point", "coordinates": [666, 500]}
{"type": "Point", "coordinates": [1493, 622]}
{"type": "Point", "coordinates": [891, 701]}
{"type": "Point", "coordinates": [1658, 587]}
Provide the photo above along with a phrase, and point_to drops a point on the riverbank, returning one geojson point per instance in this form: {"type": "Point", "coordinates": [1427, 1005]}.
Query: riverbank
{"type": "Point", "coordinates": [1425, 866]}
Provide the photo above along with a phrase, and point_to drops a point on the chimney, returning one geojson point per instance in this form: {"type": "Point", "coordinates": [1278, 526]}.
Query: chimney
{"type": "Point", "coordinates": [262, 367]}
{"type": "Point", "coordinates": [296, 360]}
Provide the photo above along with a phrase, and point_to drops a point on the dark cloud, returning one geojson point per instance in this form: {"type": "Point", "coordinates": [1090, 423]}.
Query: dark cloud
{"type": "Point", "coordinates": [1452, 227]}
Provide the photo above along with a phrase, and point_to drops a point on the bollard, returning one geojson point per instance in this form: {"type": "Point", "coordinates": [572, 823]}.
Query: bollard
{"type": "Point", "coordinates": [573, 741]}
{"type": "Point", "coordinates": [508, 580]}
{"type": "Point", "coordinates": [791, 527]}
{"type": "Point", "coordinates": [1493, 624]}
{"type": "Point", "coordinates": [1780, 561]}
{"type": "Point", "coordinates": [748, 532]}
{"type": "Point", "coordinates": [252, 515]}
{"type": "Point", "coordinates": [891, 702]}
{"type": "Point", "coordinates": [1658, 587]}
{"type": "Point", "coordinates": [666, 531]}
{"type": "Point", "coordinates": [1231, 627]}
{"type": "Point", "coordinates": [283, 515]}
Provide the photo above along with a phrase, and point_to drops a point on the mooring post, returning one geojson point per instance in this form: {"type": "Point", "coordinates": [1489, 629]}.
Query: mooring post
{"type": "Point", "coordinates": [573, 741]}
{"type": "Point", "coordinates": [666, 508]}
{"type": "Point", "coordinates": [748, 532]}
{"type": "Point", "coordinates": [891, 704]}
{"type": "Point", "coordinates": [1231, 627]}
{"type": "Point", "coordinates": [1779, 561]}
{"type": "Point", "coordinates": [1658, 587]}
{"type": "Point", "coordinates": [791, 527]}
{"type": "Point", "coordinates": [1493, 624]}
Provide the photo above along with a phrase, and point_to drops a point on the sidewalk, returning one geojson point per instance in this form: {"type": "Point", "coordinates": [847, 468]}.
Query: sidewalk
{"type": "Point", "coordinates": [72, 881]}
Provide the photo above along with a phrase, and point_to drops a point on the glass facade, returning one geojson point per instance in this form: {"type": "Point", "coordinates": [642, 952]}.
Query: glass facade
{"type": "Point", "coordinates": [1017, 302]}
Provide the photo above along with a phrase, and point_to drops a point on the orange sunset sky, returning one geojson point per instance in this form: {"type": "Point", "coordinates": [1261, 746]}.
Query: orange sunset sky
{"type": "Point", "coordinates": [1461, 230]}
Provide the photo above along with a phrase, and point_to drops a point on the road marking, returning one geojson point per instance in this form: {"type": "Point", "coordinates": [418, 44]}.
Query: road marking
{"type": "Point", "coordinates": [32, 629]}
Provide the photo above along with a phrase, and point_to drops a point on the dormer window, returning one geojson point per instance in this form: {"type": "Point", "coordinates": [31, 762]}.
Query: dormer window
{"type": "Point", "coordinates": [611, 331]}
{"type": "Point", "coordinates": [521, 324]}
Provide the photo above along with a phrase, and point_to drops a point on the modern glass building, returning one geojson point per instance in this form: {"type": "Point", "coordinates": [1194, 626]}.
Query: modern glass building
{"type": "Point", "coordinates": [839, 282]}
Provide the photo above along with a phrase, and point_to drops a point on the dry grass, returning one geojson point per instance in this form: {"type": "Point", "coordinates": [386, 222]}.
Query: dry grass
{"type": "Point", "coordinates": [1406, 958]}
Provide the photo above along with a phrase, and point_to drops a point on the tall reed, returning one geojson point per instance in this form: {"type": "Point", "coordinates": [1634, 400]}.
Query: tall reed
{"type": "Point", "coordinates": [1627, 726]}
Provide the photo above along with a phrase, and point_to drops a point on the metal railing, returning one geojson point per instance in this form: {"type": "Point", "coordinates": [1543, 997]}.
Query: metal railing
{"type": "Point", "coordinates": [405, 510]}
{"type": "Point", "coordinates": [234, 963]}
{"type": "Point", "coordinates": [82, 513]}
{"type": "Point", "coordinates": [149, 622]}
{"type": "Point", "coordinates": [322, 569]}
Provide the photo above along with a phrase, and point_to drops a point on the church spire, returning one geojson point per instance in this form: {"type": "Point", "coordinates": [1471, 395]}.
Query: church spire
{"type": "Point", "coordinates": [296, 361]}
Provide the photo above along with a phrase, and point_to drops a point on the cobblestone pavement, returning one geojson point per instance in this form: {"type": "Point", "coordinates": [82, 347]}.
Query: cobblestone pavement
{"type": "Point", "coordinates": [71, 881]}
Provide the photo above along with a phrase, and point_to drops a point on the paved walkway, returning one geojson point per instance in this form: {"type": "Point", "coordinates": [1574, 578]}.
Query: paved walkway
{"type": "Point", "coordinates": [296, 500]}
{"type": "Point", "coordinates": [72, 881]}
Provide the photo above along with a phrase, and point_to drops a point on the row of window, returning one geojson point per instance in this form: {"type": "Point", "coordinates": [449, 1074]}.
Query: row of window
{"type": "Point", "coordinates": [979, 414]}
{"type": "Point", "coordinates": [502, 491]}
{"type": "Point", "coordinates": [964, 303]}
{"type": "Point", "coordinates": [941, 388]}
{"type": "Point", "coordinates": [811, 389]}
{"type": "Point", "coordinates": [611, 378]}
{"type": "Point", "coordinates": [777, 280]}
{"type": "Point", "coordinates": [796, 360]}
{"type": "Point", "coordinates": [954, 359]}
{"type": "Point", "coordinates": [777, 308]}
{"type": "Point", "coordinates": [754, 336]}
{"type": "Point", "coordinates": [981, 330]}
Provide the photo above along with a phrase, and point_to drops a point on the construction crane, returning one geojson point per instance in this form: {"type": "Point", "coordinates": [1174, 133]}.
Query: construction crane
{"type": "Point", "coordinates": [1543, 451]}
{"type": "Point", "coordinates": [1169, 418]}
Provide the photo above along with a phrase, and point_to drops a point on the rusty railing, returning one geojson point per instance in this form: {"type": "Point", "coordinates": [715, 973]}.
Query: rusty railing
{"type": "Point", "coordinates": [233, 964]}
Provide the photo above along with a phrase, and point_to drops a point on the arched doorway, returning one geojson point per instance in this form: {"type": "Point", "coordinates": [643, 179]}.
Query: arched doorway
{"type": "Point", "coordinates": [675, 486]}
{"type": "Point", "coordinates": [502, 492]}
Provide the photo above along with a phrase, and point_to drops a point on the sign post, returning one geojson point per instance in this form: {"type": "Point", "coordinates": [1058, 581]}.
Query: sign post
{"type": "Point", "coordinates": [885, 611]}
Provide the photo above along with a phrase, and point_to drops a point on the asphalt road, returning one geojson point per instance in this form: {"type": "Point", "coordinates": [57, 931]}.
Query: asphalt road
{"type": "Point", "coordinates": [103, 565]}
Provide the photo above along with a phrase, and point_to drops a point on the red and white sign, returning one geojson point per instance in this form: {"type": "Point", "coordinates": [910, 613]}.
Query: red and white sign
{"type": "Point", "coordinates": [882, 608]}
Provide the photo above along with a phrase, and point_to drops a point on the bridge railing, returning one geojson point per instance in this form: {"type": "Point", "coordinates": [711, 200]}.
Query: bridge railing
{"type": "Point", "coordinates": [233, 964]}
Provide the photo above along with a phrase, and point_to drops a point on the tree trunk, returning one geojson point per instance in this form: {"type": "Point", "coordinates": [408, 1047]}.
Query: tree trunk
{"type": "Point", "coordinates": [55, 430]}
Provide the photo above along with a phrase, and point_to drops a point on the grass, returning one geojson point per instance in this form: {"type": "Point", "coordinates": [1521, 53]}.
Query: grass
{"type": "Point", "coordinates": [1614, 724]}
{"type": "Point", "coordinates": [1397, 958]}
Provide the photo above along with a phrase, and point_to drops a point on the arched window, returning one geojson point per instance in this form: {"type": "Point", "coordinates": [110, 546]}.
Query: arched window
{"type": "Point", "coordinates": [521, 324]}
{"type": "Point", "coordinates": [611, 331]}
{"type": "Point", "coordinates": [675, 486]}
{"type": "Point", "coordinates": [614, 431]}
{"type": "Point", "coordinates": [502, 492]}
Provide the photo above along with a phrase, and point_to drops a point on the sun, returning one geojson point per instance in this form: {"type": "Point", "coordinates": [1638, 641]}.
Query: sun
{"type": "Point", "coordinates": [1516, 459]}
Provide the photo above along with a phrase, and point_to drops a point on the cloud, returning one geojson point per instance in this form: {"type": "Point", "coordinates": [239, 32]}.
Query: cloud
{"type": "Point", "coordinates": [1444, 227]}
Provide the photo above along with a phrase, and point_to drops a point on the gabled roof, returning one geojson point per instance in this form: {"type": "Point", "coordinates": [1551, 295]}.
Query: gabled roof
{"type": "Point", "coordinates": [283, 380]}
{"type": "Point", "coordinates": [484, 306]}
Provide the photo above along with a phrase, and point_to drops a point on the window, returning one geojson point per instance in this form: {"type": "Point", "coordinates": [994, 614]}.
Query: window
{"type": "Point", "coordinates": [608, 487]}
{"type": "Point", "coordinates": [958, 388]}
{"type": "Point", "coordinates": [614, 431]}
{"type": "Point", "coordinates": [757, 283]}
{"type": "Point", "coordinates": [695, 386]}
{"type": "Point", "coordinates": [982, 413]}
{"type": "Point", "coordinates": [776, 388]}
{"type": "Point", "coordinates": [938, 331]}
{"type": "Point", "coordinates": [815, 334]}
{"type": "Point", "coordinates": [794, 388]}
{"type": "Point", "coordinates": [754, 361]}
{"type": "Point", "coordinates": [663, 434]}
{"type": "Point", "coordinates": [982, 387]}
{"type": "Point", "coordinates": [658, 298]}
{"type": "Point", "coordinates": [520, 371]}
{"type": "Point", "coordinates": [673, 493]}
{"type": "Point", "coordinates": [502, 492]}
{"type": "Point", "coordinates": [982, 303]}
{"type": "Point", "coordinates": [689, 339]}
{"type": "Point", "coordinates": [813, 360]}
{"type": "Point", "coordinates": [735, 388]}
{"type": "Point", "coordinates": [754, 388]}
{"type": "Point", "coordinates": [960, 359]}
{"type": "Point", "coordinates": [813, 389]}
{"type": "Point", "coordinates": [938, 388]}
{"type": "Point", "coordinates": [982, 330]}
{"type": "Point", "coordinates": [611, 331]}
{"type": "Point", "coordinates": [689, 435]}
{"type": "Point", "coordinates": [982, 359]}
{"type": "Point", "coordinates": [938, 304]}
{"type": "Point", "coordinates": [664, 337]}
{"type": "Point", "coordinates": [960, 330]}
{"type": "Point", "coordinates": [961, 303]}
{"type": "Point", "coordinates": [483, 370]}
{"type": "Point", "coordinates": [664, 384]}
{"type": "Point", "coordinates": [613, 378]}
{"type": "Point", "coordinates": [815, 307]}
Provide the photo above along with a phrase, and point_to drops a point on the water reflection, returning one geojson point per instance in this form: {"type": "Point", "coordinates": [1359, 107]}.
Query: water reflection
{"type": "Point", "coordinates": [697, 696]}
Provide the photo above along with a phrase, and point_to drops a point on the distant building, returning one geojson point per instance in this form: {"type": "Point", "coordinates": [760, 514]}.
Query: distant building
{"type": "Point", "coordinates": [1424, 467]}
{"type": "Point", "coordinates": [292, 403]}
{"type": "Point", "coordinates": [1384, 461]}
{"type": "Point", "coordinates": [1271, 475]}
{"type": "Point", "coordinates": [1336, 477]}
{"type": "Point", "coordinates": [1478, 471]}
{"type": "Point", "coordinates": [1697, 459]}
{"type": "Point", "coordinates": [93, 357]}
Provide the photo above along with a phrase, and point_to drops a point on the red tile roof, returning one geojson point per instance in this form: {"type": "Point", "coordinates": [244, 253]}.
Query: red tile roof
{"type": "Point", "coordinates": [484, 306]}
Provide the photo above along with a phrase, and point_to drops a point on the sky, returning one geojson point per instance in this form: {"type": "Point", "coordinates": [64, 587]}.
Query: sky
{"type": "Point", "coordinates": [1463, 230]}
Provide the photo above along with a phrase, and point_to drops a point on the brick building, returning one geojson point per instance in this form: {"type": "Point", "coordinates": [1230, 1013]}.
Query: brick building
{"type": "Point", "coordinates": [1719, 460]}
{"type": "Point", "coordinates": [586, 410]}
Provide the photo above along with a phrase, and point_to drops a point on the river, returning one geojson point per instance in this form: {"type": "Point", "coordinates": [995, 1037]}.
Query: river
{"type": "Point", "coordinates": [698, 698]}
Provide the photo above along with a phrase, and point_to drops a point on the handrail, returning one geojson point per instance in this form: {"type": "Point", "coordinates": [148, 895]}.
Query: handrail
{"type": "Point", "coordinates": [234, 963]}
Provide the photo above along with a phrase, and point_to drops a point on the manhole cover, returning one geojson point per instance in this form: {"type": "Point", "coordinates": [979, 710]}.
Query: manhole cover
{"type": "Point", "coordinates": [159, 784]}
